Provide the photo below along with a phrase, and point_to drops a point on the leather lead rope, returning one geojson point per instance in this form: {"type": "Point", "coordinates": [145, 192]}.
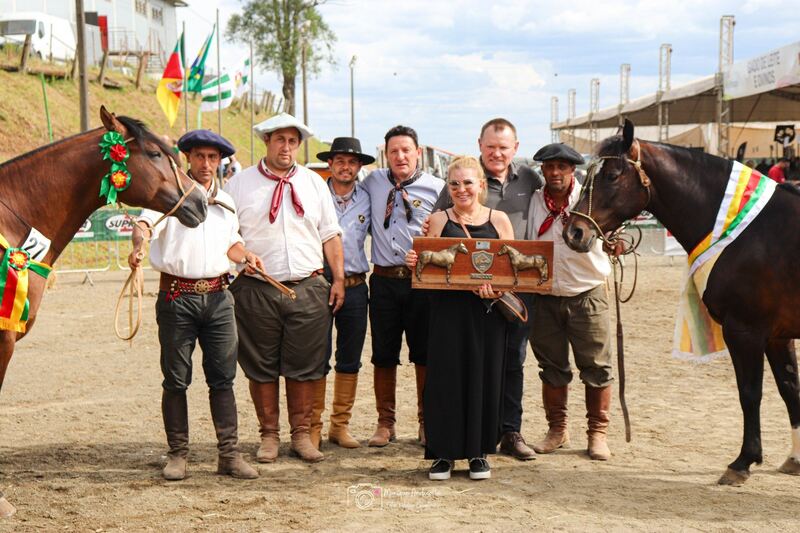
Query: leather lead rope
{"type": "Point", "coordinates": [621, 357]}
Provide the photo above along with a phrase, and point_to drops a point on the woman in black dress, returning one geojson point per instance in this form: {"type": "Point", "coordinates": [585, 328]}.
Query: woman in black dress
{"type": "Point", "coordinates": [466, 343]}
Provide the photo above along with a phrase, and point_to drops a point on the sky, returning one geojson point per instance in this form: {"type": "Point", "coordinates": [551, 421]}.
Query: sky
{"type": "Point", "coordinates": [445, 67]}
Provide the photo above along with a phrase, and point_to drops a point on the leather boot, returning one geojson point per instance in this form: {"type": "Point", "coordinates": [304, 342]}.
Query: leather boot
{"type": "Point", "coordinates": [300, 404]}
{"type": "Point", "coordinates": [316, 412]}
{"type": "Point", "coordinates": [176, 425]}
{"type": "Point", "coordinates": [226, 425]}
{"type": "Point", "coordinates": [419, 371]}
{"type": "Point", "coordinates": [344, 396]}
{"type": "Point", "coordinates": [598, 405]}
{"type": "Point", "coordinates": [555, 409]}
{"type": "Point", "coordinates": [266, 401]}
{"type": "Point", "coordinates": [385, 381]}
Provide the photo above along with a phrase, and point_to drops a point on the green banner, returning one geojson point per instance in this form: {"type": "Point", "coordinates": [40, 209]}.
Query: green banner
{"type": "Point", "coordinates": [108, 225]}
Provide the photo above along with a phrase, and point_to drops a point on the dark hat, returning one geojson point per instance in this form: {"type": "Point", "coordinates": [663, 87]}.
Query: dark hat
{"type": "Point", "coordinates": [558, 151]}
{"type": "Point", "coordinates": [346, 145]}
{"type": "Point", "coordinates": [195, 138]}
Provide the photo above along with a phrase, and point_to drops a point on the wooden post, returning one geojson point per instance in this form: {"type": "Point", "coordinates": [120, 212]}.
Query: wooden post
{"type": "Point", "coordinates": [142, 65]}
{"type": "Point", "coordinates": [26, 51]}
{"type": "Point", "coordinates": [103, 63]}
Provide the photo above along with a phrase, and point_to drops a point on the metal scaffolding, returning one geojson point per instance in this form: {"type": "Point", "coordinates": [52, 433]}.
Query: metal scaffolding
{"type": "Point", "coordinates": [664, 85]}
{"type": "Point", "coordinates": [726, 24]}
{"type": "Point", "coordinates": [553, 118]}
{"type": "Point", "coordinates": [594, 107]}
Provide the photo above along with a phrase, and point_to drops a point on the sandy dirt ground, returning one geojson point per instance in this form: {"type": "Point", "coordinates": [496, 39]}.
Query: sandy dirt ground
{"type": "Point", "coordinates": [82, 444]}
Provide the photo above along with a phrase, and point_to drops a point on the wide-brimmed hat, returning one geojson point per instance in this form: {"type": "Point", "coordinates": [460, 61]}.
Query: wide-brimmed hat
{"type": "Point", "coordinates": [195, 138]}
{"type": "Point", "coordinates": [346, 145]}
{"type": "Point", "coordinates": [280, 121]}
{"type": "Point", "coordinates": [558, 151]}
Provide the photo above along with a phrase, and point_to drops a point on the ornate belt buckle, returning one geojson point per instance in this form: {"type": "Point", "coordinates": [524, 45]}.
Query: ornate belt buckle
{"type": "Point", "coordinates": [202, 286]}
{"type": "Point", "coordinates": [401, 272]}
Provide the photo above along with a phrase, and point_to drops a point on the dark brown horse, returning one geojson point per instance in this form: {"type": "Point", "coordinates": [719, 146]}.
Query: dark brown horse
{"type": "Point", "coordinates": [55, 188]}
{"type": "Point", "coordinates": [753, 288]}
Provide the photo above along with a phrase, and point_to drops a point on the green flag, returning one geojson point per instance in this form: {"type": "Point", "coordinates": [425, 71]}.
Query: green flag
{"type": "Point", "coordinates": [217, 93]}
{"type": "Point", "coordinates": [194, 82]}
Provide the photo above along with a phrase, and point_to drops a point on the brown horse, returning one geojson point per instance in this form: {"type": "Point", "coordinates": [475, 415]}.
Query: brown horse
{"type": "Point", "coordinates": [753, 288]}
{"type": "Point", "coordinates": [55, 188]}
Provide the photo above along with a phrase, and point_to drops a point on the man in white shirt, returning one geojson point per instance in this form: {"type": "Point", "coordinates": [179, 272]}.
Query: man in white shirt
{"type": "Point", "coordinates": [194, 305]}
{"type": "Point", "coordinates": [575, 314]}
{"type": "Point", "coordinates": [287, 217]}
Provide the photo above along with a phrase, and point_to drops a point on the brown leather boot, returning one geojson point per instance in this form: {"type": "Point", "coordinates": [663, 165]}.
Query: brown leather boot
{"type": "Point", "coordinates": [598, 405]}
{"type": "Point", "coordinates": [300, 403]}
{"type": "Point", "coordinates": [316, 412]}
{"type": "Point", "coordinates": [344, 396]}
{"type": "Point", "coordinates": [226, 425]}
{"type": "Point", "coordinates": [419, 371]}
{"type": "Point", "coordinates": [555, 409]}
{"type": "Point", "coordinates": [176, 425]}
{"type": "Point", "coordinates": [385, 381]}
{"type": "Point", "coordinates": [266, 401]}
{"type": "Point", "coordinates": [513, 443]}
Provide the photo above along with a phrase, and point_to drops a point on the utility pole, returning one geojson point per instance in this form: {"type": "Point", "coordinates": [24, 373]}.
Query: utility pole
{"type": "Point", "coordinates": [352, 100]}
{"type": "Point", "coordinates": [305, 96]}
{"type": "Point", "coordinates": [219, 84]}
{"type": "Point", "coordinates": [81, 53]}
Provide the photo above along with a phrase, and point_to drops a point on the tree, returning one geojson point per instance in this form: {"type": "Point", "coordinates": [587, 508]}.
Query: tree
{"type": "Point", "coordinates": [279, 29]}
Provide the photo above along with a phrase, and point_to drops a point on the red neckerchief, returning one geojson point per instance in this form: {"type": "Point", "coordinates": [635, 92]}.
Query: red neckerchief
{"type": "Point", "coordinates": [277, 195]}
{"type": "Point", "coordinates": [550, 203]}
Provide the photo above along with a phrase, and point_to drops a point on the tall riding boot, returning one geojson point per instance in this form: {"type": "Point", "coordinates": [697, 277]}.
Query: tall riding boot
{"type": "Point", "coordinates": [385, 381]}
{"type": "Point", "coordinates": [176, 425]}
{"type": "Point", "coordinates": [226, 424]}
{"type": "Point", "coordinates": [300, 403]}
{"type": "Point", "coordinates": [555, 409]}
{"type": "Point", "coordinates": [316, 412]}
{"type": "Point", "coordinates": [420, 370]}
{"type": "Point", "coordinates": [344, 396]}
{"type": "Point", "coordinates": [266, 401]}
{"type": "Point", "coordinates": [598, 404]}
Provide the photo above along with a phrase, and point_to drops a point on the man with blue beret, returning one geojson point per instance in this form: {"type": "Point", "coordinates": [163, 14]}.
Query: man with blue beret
{"type": "Point", "coordinates": [194, 305]}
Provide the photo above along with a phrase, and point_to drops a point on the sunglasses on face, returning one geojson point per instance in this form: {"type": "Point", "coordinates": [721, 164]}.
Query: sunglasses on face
{"type": "Point", "coordinates": [455, 184]}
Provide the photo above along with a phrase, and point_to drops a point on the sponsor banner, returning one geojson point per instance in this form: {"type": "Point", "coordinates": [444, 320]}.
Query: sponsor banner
{"type": "Point", "coordinates": [107, 225]}
{"type": "Point", "coordinates": [766, 72]}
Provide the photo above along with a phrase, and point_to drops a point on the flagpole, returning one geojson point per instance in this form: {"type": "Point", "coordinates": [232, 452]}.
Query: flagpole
{"type": "Point", "coordinates": [252, 106]}
{"type": "Point", "coordinates": [219, 85]}
{"type": "Point", "coordinates": [185, 80]}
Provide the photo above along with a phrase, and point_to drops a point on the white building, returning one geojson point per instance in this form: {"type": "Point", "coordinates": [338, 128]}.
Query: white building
{"type": "Point", "coordinates": [133, 25]}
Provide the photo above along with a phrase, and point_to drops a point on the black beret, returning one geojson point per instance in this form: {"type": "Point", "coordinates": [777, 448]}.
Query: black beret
{"type": "Point", "coordinates": [558, 151]}
{"type": "Point", "coordinates": [195, 138]}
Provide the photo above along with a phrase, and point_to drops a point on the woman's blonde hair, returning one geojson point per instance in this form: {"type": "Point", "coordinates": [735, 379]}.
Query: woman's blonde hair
{"type": "Point", "coordinates": [470, 162]}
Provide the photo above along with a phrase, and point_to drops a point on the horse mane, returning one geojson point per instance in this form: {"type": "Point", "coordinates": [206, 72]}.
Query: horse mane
{"type": "Point", "coordinates": [615, 145]}
{"type": "Point", "coordinates": [136, 129]}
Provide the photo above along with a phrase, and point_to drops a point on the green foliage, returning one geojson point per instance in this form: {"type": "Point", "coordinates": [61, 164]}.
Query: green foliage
{"type": "Point", "coordinates": [278, 29]}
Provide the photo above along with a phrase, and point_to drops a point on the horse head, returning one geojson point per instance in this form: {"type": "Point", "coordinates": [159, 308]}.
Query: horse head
{"type": "Point", "coordinates": [157, 181]}
{"type": "Point", "coordinates": [616, 189]}
{"type": "Point", "coordinates": [462, 248]}
{"type": "Point", "coordinates": [503, 250]}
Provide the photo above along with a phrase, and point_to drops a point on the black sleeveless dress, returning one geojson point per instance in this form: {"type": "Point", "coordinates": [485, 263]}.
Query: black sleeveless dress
{"type": "Point", "coordinates": [464, 382]}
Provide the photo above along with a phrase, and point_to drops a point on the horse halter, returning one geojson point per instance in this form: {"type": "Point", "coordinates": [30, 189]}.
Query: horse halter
{"type": "Point", "coordinates": [594, 169]}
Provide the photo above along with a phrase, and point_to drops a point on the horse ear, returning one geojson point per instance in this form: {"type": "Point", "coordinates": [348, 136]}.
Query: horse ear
{"type": "Point", "coordinates": [627, 135]}
{"type": "Point", "coordinates": [111, 123]}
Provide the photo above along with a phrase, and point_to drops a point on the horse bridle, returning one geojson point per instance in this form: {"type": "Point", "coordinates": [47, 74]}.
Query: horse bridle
{"type": "Point", "coordinates": [594, 169]}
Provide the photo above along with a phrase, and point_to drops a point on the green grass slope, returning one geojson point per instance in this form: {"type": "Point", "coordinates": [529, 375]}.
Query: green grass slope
{"type": "Point", "coordinates": [23, 124]}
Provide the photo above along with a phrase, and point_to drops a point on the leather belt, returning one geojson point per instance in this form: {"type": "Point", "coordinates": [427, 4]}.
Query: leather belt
{"type": "Point", "coordinates": [312, 275]}
{"type": "Point", "coordinates": [175, 286]}
{"type": "Point", "coordinates": [395, 272]}
{"type": "Point", "coordinates": [354, 280]}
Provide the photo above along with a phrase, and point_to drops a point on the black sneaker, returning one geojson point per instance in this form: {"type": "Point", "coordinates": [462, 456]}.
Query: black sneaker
{"type": "Point", "coordinates": [440, 470]}
{"type": "Point", "coordinates": [479, 468]}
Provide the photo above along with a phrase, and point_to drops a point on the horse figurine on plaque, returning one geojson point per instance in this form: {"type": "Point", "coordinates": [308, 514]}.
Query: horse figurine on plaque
{"type": "Point", "coordinates": [520, 261]}
{"type": "Point", "coordinates": [443, 258]}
